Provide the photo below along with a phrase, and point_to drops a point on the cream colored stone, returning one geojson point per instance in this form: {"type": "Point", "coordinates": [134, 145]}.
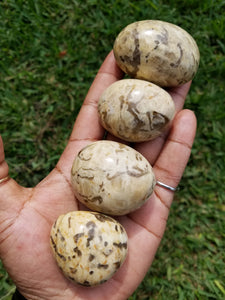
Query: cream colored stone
{"type": "Point", "coordinates": [89, 247]}
{"type": "Point", "coordinates": [112, 178]}
{"type": "Point", "coordinates": [157, 51]}
{"type": "Point", "coordinates": [135, 110]}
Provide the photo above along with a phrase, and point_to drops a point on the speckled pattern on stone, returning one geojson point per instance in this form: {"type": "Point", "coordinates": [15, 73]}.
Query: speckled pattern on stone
{"type": "Point", "coordinates": [135, 110]}
{"type": "Point", "coordinates": [112, 178]}
{"type": "Point", "coordinates": [89, 247]}
{"type": "Point", "coordinates": [157, 51]}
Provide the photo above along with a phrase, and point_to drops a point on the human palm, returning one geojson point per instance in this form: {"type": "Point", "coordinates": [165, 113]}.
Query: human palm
{"type": "Point", "coordinates": [27, 214]}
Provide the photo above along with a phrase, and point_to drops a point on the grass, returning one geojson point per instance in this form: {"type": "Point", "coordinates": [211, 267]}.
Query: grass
{"type": "Point", "coordinates": [50, 52]}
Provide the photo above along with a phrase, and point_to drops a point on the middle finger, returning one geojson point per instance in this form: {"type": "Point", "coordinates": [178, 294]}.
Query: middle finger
{"type": "Point", "coordinates": [151, 149]}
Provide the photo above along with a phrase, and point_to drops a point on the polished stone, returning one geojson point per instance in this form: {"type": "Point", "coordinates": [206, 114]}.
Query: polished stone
{"type": "Point", "coordinates": [135, 110]}
{"type": "Point", "coordinates": [112, 178]}
{"type": "Point", "coordinates": [157, 51]}
{"type": "Point", "coordinates": [89, 247]}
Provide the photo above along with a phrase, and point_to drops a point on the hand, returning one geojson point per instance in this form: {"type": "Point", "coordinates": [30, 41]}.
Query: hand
{"type": "Point", "coordinates": [27, 214]}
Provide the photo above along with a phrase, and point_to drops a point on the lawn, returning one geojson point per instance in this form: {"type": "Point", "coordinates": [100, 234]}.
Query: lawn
{"type": "Point", "coordinates": [50, 52]}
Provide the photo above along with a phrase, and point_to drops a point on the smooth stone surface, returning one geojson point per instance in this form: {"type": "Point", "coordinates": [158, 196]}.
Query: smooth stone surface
{"type": "Point", "coordinates": [88, 247]}
{"type": "Point", "coordinates": [112, 178]}
{"type": "Point", "coordinates": [157, 51]}
{"type": "Point", "coordinates": [135, 110]}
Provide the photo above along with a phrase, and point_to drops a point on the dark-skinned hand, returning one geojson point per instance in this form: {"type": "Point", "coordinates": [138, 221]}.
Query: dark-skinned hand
{"type": "Point", "coordinates": [27, 214]}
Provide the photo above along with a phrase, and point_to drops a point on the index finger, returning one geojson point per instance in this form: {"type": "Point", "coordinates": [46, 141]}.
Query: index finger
{"type": "Point", "coordinates": [87, 124]}
{"type": "Point", "coordinates": [87, 127]}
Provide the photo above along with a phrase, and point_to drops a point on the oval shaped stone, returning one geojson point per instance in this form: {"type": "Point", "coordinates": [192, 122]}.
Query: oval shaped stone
{"type": "Point", "coordinates": [112, 178]}
{"type": "Point", "coordinates": [135, 110]}
{"type": "Point", "coordinates": [157, 51]}
{"type": "Point", "coordinates": [88, 247]}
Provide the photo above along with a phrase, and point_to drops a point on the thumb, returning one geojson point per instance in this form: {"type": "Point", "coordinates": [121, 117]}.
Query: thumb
{"type": "Point", "coordinates": [4, 169]}
{"type": "Point", "coordinates": [12, 195]}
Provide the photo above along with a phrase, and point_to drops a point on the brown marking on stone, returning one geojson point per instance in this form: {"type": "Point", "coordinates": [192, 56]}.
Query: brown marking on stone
{"type": "Point", "coordinates": [119, 150]}
{"type": "Point", "coordinates": [73, 270]}
{"type": "Point", "coordinates": [122, 146]}
{"type": "Point", "coordinates": [103, 218]}
{"type": "Point", "coordinates": [134, 60]}
{"type": "Point", "coordinates": [69, 222]}
{"type": "Point", "coordinates": [177, 63]}
{"type": "Point", "coordinates": [156, 120]}
{"type": "Point", "coordinates": [71, 278]}
{"type": "Point", "coordinates": [90, 238]}
{"type": "Point", "coordinates": [77, 251]}
{"type": "Point", "coordinates": [104, 115]}
{"type": "Point", "coordinates": [91, 272]}
{"type": "Point", "coordinates": [137, 172]}
{"type": "Point", "coordinates": [132, 109]}
{"type": "Point", "coordinates": [181, 81]}
{"type": "Point", "coordinates": [88, 175]}
{"type": "Point", "coordinates": [84, 197]}
{"type": "Point", "coordinates": [116, 228]}
{"type": "Point", "coordinates": [53, 244]}
{"type": "Point", "coordinates": [96, 199]}
{"type": "Point", "coordinates": [121, 98]}
{"type": "Point", "coordinates": [91, 232]}
{"type": "Point", "coordinates": [147, 57]}
{"type": "Point", "coordinates": [137, 123]}
{"type": "Point", "coordinates": [110, 177]}
{"type": "Point", "coordinates": [77, 236]}
{"type": "Point", "coordinates": [121, 228]}
{"type": "Point", "coordinates": [91, 257]}
{"type": "Point", "coordinates": [159, 64]}
{"type": "Point", "coordinates": [192, 76]}
{"type": "Point", "coordinates": [162, 38]}
{"type": "Point", "coordinates": [117, 264]}
{"type": "Point", "coordinates": [103, 281]}
{"type": "Point", "coordinates": [103, 266]}
{"type": "Point", "coordinates": [120, 245]}
{"type": "Point", "coordinates": [159, 120]}
{"type": "Point", "coordinates": [73, 171]}
{"type": "Point", "coordinates": [85, 283]}
{"type": "Point", "coordinates": [109, 252]}
{"type": "Point", "coordinates": [156, 44]}
{"type": "Point", "coordinates": [90, 224]}
{"type": "Point", "coordinates": [136, 168]}
{"type": "Point", "coordinates": [105, 243]}
{"type": "Point", "coordinates": [89, 199]}
{"type": "Point", "coordinates": [138, 157]}
{"type": "Point", "coordinates": [81, 155]}
{"type": "Point", "coordinates": [60, 235]}
{"type": "Point", "coordinates": [61, 256]}
{"type": "Point", "coordinates": [56, 250]}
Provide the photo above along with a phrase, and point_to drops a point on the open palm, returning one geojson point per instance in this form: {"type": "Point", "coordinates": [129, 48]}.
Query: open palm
{"type": "Point", "coordinates": [27, 214]}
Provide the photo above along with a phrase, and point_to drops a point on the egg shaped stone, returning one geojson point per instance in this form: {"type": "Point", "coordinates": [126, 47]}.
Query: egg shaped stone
{"type": "Point", "coordinates": [157, 51]}
{"type": "Point", "coordinates": [88, 247]}
{"type": "Point", "coordinates": [111, 178]}
{"type": "Point", "coordinates": [135, 110]}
